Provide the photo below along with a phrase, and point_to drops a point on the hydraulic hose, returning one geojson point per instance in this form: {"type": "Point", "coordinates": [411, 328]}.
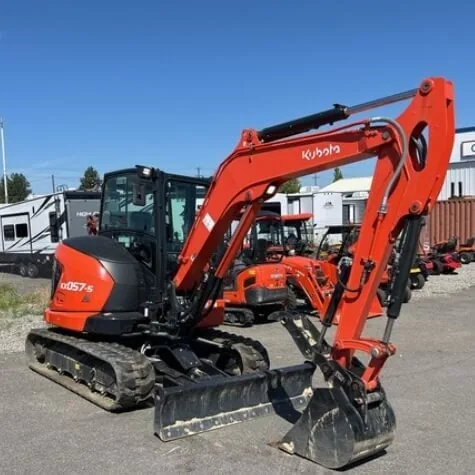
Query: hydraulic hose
{"type": "Point", "coordinates": [383, 207]}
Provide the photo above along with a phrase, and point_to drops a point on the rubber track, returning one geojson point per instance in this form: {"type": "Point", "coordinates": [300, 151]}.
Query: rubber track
{"type": "Point", "coordinates": [133, 373]}
{"type": "Point", "coordinates": [244, 316]}
{"type": "Point", "coordinates": [254, 356]}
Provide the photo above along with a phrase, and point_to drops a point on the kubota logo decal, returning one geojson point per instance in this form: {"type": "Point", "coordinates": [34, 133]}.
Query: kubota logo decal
{"type": "Point", "coordinates": [317, 152]}
{"type": "Point", "coordinates": [76, 286]}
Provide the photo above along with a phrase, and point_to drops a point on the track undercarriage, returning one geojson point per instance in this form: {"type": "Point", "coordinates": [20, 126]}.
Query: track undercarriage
{"type": "Point", "coordinates": [121, 374]}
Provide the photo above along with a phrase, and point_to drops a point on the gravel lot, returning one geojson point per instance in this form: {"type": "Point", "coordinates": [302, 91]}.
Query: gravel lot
{"type": "Point", "coordinates": [446, 284]}
{"type": "Point", "coordinates": [14, 329]}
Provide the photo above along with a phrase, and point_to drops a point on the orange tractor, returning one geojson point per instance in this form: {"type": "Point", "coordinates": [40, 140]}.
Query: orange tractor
{"type": "Point", "coordinates": [134, 310]}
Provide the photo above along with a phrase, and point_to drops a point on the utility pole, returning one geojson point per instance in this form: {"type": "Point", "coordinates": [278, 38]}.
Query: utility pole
{"type": "Point", "coordinates": [5, 180]}
{"type": "Point", "coordinates": [315, 179]}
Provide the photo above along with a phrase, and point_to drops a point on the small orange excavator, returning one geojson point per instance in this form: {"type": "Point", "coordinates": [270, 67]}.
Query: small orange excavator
{"type": "Point", "coordinates": [310, 280]}
{"type": "Point", "coordinates": [133, 310]}
{"type": "Point", "coordinates": [255, 286]}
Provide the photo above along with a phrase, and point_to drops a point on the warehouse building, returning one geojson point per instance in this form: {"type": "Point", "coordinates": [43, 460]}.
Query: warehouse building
{"type": "Point", "coordinates": [460, 178]}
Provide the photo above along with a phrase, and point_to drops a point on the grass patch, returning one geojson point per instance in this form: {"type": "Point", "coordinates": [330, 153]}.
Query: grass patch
{"type": "Point", "coordinates": [16, 304]}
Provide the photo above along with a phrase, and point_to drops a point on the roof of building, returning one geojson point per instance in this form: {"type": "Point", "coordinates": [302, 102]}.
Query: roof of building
{"type": "Point", "coordinates": [462, 130]}
{"type": "Point", "coordinates": [349, 185]}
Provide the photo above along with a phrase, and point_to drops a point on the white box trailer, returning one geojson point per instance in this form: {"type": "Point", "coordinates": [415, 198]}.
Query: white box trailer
{"type": "Point", "coordinates": [30, 230]}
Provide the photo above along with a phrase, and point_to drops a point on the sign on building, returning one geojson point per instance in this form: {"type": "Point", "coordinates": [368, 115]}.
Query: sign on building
{"type": "Point", "coordinates": [467, 150]}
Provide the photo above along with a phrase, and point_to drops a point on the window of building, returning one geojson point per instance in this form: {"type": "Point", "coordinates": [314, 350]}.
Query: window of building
{"type": "Point", "coordinates": [452, 189]}
{"type": "Point", "coordinates": [349, 211]}
{"type": "Point", "coordinates": [21, 230]}
{"type": "Point", "coordinates": [9, 232]}
{"type": "Point", "coordinates": [460, 189]}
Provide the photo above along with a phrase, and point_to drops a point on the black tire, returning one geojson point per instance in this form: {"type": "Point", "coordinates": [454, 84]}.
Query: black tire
{"type": "Point", "coordinates": [22, 269]}
{"type": "Point", "coordinates": [417, 281]}
{"type": "Point", "coordinates": [438, 267]}
{"type": "Point", "coordinates": [407, 295]}
{"type": "Point", "coordinates": [381, 293]}
{"type": "Point", "coordinates": [32, 270]}
{"type": "Point", "coordinates": [291, 303]}
{"type": "Point", "coordinates": [465, 258]}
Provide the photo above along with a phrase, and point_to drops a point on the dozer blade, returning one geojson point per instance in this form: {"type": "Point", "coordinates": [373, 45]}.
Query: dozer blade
{"type": "Point", "coordinates": [333, 433]}
{"type": "Point", "coordinates": [181, 411]}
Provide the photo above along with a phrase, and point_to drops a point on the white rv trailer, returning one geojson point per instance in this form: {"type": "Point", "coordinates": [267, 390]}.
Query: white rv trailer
{"type": "Point", "coordinates": [30, 230]}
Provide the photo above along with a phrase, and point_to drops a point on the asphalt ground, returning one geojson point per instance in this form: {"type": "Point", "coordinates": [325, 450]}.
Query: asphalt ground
{"type": "Point", "coordinates": [430, 383]}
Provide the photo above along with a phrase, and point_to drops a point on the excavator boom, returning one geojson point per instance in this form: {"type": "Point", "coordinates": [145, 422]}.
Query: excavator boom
{"type": "Point", "coordinates": [409, 173]}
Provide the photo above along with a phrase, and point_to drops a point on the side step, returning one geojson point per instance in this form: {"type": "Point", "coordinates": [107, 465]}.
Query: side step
{"type": "Point", "coordinates": [181, 411]}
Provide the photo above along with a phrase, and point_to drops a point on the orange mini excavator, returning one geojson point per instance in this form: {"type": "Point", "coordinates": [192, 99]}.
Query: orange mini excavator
{"type": "Point", "coordinates": [255, 286]}
{"type": "Point", "coordinates": [132, 309]}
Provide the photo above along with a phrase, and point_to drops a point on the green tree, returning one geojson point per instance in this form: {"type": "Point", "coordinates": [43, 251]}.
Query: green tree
{"type": "Point", "coordinates": [337, 175]}
{"type": "Point", "coordinates": [291, 186]}
{"type": "Point", "coordinates": [91, 180]}
{"type": "Point", "coordinates": [18, 188]}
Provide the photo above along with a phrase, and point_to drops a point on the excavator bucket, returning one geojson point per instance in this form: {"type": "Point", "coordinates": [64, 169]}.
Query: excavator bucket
{"type": "Point", "coordinates": [184, 410]}
{"type": "Point", "coordinates": [334, 434]}
{"type": "Point", "coordinates": [341, 423]}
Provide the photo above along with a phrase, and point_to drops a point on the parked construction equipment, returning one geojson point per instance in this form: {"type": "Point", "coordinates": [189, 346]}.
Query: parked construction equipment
{"type": "Point", "coordinates": [333, 254]}
{"type": "Point", "coordinates": [133, 309]}
{"type": "Point", "coordinates": [255, 286]}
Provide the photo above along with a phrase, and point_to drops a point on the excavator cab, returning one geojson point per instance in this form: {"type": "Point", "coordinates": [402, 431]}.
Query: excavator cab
{"type": "Point", "coordinates": [130, 214]}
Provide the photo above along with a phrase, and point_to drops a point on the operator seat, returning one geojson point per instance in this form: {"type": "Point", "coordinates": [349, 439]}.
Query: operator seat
{"type": "Point", "coordinates": [260, 252]}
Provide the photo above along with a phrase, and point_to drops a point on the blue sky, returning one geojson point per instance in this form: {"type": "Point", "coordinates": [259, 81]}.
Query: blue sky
{"type": "Point", "coordinates": [171, 84]}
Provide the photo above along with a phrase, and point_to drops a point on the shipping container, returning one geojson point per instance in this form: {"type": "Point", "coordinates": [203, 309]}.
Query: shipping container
{"type": "Point", "coordinates": [449, 218]}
